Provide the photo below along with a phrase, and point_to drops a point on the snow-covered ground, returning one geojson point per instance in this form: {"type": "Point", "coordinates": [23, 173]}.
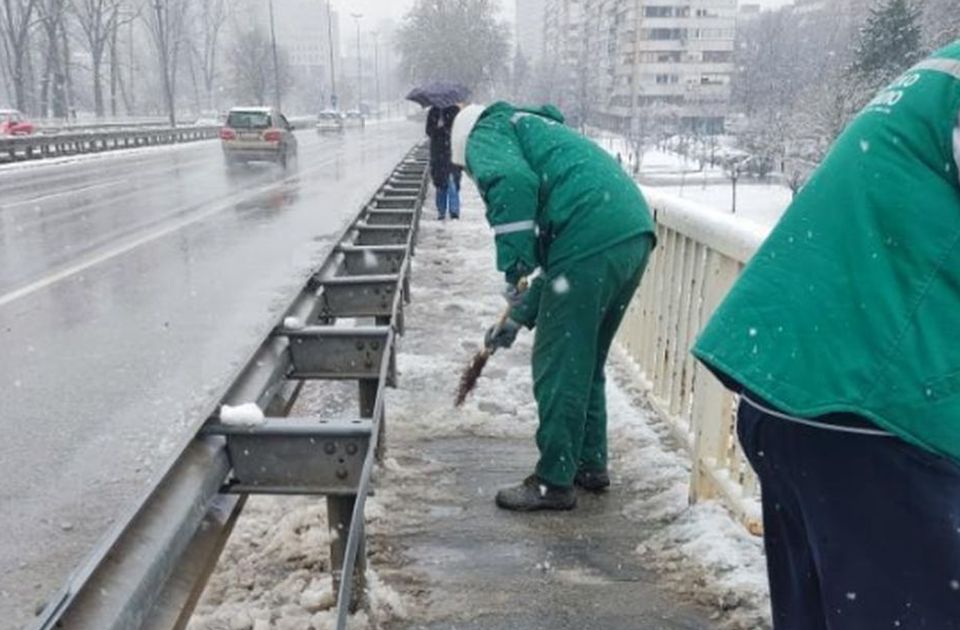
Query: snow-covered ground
{"type": "Point", "coordinates": [274, 571]}
{"type": "Point", "coordinates": [762, 202]}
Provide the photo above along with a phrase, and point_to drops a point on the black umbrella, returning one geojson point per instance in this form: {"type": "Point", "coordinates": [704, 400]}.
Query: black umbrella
{"type": "Point", "coordinates": [439, 95]}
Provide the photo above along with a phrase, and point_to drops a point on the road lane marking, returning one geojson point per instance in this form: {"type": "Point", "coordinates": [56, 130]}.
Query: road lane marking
{"type": "Point", "coordinates": [227, 203]}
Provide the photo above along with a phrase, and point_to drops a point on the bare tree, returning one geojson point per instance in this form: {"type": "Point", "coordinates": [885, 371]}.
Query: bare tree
{"type": "Point", "coordinates": [459, 40]}
{"type": "Point", "coordinates": [166, 21]}
{"type": "Point", "coordinates": [98, 19]}
{"type": "Point", "coordinates": [53, 95]}
{"type": "Point", "coordinates": [16, 22]}
{"type": "Point", "coordinates": [213, 15]}
{"type": "Point", "coordinates": [251, 67]}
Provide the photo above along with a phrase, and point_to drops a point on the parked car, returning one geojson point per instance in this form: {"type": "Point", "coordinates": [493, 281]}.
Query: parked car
{"type": "Point", "coordinates": [330, 120]}
{"type": "Point", "coordinates": [257, 134]}
{"type": "Point", "coordinates": [355, 118]}
{"type": "Point", "coordinates": [13, 123]}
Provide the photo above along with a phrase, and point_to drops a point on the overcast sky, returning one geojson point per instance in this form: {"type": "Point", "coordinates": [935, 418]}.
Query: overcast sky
{"type": "Point", "coordinates": [377, 9]}
{"type": "Point", "coordinates": [395, 9]}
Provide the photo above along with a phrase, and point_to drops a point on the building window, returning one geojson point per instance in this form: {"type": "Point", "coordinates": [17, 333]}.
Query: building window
{"type": "Point", "coordinates": [713, 79]}
{"type": "Point", "coordinates": [673, 99]}
{"type": "Point", "coordinates": [717, 56]}
{"type": "Point", "coordinates": [661, 57]}
{"type": "Point", "coordinates": [667, 79]}
{"type": "Point", "coordinates": [661, 34]}
{"type": "Point", "coordinates": [657, 11]}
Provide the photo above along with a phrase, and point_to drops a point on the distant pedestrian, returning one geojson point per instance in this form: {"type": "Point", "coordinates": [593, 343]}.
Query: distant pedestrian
{"type": "Point", "coordinates": [445, 175]}
{"type": "Point", "coordinates": [558, 202]}
{"type": "Point", "coordinates": [841, 337]}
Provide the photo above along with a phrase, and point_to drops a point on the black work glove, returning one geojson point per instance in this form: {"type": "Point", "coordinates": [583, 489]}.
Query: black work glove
{"type": "Point", "coordinates": [514, 295]}
{"type": "Point", "coordinates": [501, 335]}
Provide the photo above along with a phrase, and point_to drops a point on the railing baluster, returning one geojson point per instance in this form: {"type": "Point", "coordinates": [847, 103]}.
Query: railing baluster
{"type": "Point", "coordinates": [699, 255]}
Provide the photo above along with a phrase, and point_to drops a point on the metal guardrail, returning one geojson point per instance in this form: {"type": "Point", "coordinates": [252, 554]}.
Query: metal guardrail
{"type": "Point", "coordinates": [150, 570]}
{"type": "Point", "coordinates": [14, 148]}
{"type": "Point", "coordinates": [66, 126]}
{"type": "Point", "coordinates": [700, 253]}
{"type": "Point", "coordinates": [97, 138]}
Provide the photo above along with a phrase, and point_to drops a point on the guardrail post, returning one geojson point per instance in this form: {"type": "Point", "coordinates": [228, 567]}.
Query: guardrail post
{"type": "Point", "coordinates": [368, 401]}
{"type": "Point", "coordinates": [339, 517]}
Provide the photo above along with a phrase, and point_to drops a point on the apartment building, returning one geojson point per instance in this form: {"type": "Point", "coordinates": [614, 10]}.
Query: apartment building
{"type": "Point", "coordinates": [635, 60]}
{"type": "Point", "coordinates": [564, 56]}
{"type": "Point", "coordinates": [304, 29]}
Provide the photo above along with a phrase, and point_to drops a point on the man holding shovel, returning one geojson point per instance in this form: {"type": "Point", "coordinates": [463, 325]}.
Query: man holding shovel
{"type": "Point", "coordinates": [558, 203]}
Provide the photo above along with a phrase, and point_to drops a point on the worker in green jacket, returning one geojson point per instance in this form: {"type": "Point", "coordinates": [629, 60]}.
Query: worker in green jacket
{"type": "Point", "coordinates": [842, 336]}
{"type": "Point", "coordinates": [559, 204]}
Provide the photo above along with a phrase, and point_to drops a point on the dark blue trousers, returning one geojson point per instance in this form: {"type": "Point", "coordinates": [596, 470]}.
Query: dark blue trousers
{"type": "Point", "coordinates": [861, 532]}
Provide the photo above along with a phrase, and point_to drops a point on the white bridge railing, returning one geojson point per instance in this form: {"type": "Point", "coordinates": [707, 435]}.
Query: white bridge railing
{"type": "Point", "coordinates": [699, 256]}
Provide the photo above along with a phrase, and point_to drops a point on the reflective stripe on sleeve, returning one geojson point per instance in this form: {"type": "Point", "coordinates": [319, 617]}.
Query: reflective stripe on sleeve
{"type": "Point", "coordinates": [516, 226]}
{"type": "Point", "coordinates": [947, 66]}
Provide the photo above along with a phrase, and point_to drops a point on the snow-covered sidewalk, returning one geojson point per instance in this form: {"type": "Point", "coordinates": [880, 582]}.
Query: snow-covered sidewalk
{"type": "Point", "coordinates": [441, 555]}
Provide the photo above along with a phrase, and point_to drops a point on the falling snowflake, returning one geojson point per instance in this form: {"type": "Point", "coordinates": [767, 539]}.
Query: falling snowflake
{"type": "Point", "coordinates": [561, 286]}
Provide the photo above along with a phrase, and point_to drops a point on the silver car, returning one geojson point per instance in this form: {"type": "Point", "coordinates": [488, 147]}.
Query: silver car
{"type": "Point", "coordinates": [257, 134]}
{"type": "Point", "coordinates": [329, 121]}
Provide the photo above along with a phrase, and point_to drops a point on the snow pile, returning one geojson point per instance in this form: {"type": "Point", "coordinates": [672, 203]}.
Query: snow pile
{"type": "Point", "coordinates": [275, 575]}
{"type": "Point", "coordinates": [701, 549]}
{"type": "Point", "coordinates": [245, 415]}
{"type": "Point", "coordinates": [293, 323]}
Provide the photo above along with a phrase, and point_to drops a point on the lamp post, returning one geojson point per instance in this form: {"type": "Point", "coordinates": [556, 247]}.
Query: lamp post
{"type": "Point", "coordinates": [357, 16]}
{"type": "Point", "coordinates": [276, 62]}
{"type": "Point", "coordinates": [376, 67]}
{"type": "Point", "coordinates": [333, 68]}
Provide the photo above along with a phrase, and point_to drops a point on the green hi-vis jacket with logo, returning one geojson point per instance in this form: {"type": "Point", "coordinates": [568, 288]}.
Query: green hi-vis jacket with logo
{"type": "Point", "coordinates": [853, 302]}
{"type": "Point", "coordinates": [553, 197]}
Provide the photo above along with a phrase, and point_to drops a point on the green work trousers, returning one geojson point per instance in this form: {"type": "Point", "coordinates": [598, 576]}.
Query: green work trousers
{"type": "Point", "coordinates": [580, 310]}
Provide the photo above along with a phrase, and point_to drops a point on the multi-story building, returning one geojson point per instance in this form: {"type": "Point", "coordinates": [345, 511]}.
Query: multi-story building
{"type": "Point", "coordinates": [529, 25]}
{"type": "Point", "coordinates": [682, 66]}
{"type": "Point", "coordinates": [564, 56]}
{"type": "Point", "coordinates": [621, 62]}
{"type": "Point", "coordinates": [309, 31]}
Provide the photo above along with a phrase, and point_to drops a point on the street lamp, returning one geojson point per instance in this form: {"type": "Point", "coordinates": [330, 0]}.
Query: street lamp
{"type": "Point", "coordinates": [357, 17]}
{"type": "Point", "coordinates": [376, 67]}
{"type": "Point", "coordinates": [333, 69]}
{"type": "Point", "coordinates": [276, 63]}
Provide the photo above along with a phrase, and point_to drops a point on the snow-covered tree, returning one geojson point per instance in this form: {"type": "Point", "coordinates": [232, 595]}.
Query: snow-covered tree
{"type": "Point", "coordinates": [454, 40]}
{"type": "Point", "coordinates": [889, 44]}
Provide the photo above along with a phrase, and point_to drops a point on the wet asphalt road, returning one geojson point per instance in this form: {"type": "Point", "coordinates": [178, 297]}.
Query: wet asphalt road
{"type": "Point", "coordinates": [131, 287]}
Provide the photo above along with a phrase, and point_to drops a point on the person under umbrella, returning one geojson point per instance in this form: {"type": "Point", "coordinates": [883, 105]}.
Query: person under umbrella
{"type": "Point", "coordinates": [444, 100]}
{"type": "Point", "coordinates": [444, 174]}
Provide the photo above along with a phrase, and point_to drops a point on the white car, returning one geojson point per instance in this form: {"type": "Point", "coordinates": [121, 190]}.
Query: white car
{"type": "Point", "coordinates": [330, 121]}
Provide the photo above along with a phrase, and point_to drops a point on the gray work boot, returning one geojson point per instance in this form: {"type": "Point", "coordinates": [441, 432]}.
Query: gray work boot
{"type": "Point", "coordinates": [592, 480]}
{"type": "Point", "coordinates": [535, 494]}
